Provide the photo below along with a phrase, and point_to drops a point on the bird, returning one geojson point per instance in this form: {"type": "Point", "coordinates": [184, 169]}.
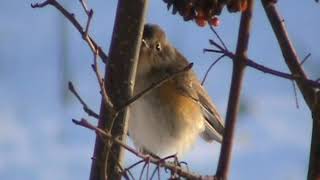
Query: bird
{"type": "Point", "coordinates": [168, 120]}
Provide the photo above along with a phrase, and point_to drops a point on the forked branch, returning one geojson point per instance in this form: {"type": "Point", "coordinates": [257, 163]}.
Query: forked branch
{"type": "Point", "coordinates": [71, 17]}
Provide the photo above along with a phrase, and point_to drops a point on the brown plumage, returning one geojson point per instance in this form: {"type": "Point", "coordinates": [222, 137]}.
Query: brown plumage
{"type": "Point", "coordinates": [169, 119]}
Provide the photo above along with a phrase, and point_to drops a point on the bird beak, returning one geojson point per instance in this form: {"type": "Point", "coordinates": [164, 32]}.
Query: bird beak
{"type": "Point", "coordinates": [144, 43]}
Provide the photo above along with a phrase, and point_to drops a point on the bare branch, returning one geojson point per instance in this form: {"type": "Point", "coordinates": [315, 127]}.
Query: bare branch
{"type": "Point", "coordinates": [105, 96]}
{"type": "Point", "coordinates": [305, 59]}
{"type": "Point", "coordinates": [309, 92]}
{"type": "Point", "coordinates": [212, 42]}
{"type": "Point", "coordinates": [134, 165]}
{"type": "Point", "coordinates": [90, 14]}
{"type": "Point", "coordinates": [85, 7]}
{"type": "Point", "coordinates": [295, 94]}
{"type": "Point", "coordinates": [86, 108]}
{"type": "Point", "coordinates": [70, 16]}
{"type": "Point", "coordinates": [148, 168]}
{"type": "Point", "coordinates": [120, 77]}
{"type": "Point", "coordinates": [107, 134]}
{"type": "Point", "coordinates": [218, 36]}
{"type": "Point", "coordinates": [239, 65]}
{"type": "Point", "coordinates": [251, 63]}
{"type": "Point", "coordinates": [213, 50]}
{"type": "Point", "coordinates": [161, 162]}
{"type": "Point", "coordinates": [290, 56]}
{"type": "Point", "coordinates": [137, 96]}
{"type": "Point", "coordinates": [155, 171]}
{"type": "Point", "coordinates": [43, 4]}
{"type": "Point", "coordinates": [143, 168]}
{"type": "Point", "coordinates": [153, 86]}
{"type": "Point", "coordinates": [210, 67]}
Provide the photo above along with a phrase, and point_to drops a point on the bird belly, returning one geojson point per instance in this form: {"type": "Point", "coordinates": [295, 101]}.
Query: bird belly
{"type": "Point", "coordinates": [164, 122]}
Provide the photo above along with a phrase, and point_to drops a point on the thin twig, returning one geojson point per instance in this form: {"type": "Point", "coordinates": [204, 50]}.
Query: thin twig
{"type": "Point", "coordinates": [134, 165]}
{"type": "Point", "coordinates": [89, 14]}
{"type": "Point", "coordinates": [218, 36]}
{"type": "Point", "coordinates": [70, 16]}
{"type": "Point", "coordinates": [43, 4]}
{"type": "Point", "coordinates": [305, 59]}
{"type": "Point", "coordinates": [142, 171]}
{"type": "Point", "coordinates": [154, 171]}
{"type": "Point", "coordinates": [148, 168]}
{"type": "Point", "coordinates": [159, 172]}
{"type": "Point", "coordinates": [153, 86]}
{"type": "Point", "coordinates": [131, 175]}
{"type": "Point", "coordinates": [251, 63]}
{"type": "Point", "coordinates": [85, 7]}
{"type": "Point", "coordinates": [295, 93]}
{"type": "Point", "coordinates": [85, 107]}
{"type": "Point", "coordinates": [185, 163]}
{"type": "Point", "coordinates": [88, 23]}
{"type": "Point", "coordinates": [139, 95]}
{"type": "Point", "coordinates": [212, 42]}
{"type": "Point", "coordinates": [213, 50]}
{"type": "Point", "coordinates": [105, 96]}
{"type": "Point", "coordinates": [210, 67]}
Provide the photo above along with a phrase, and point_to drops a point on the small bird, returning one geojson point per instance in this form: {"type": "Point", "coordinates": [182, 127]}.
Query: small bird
{"type": "Point", "coordinates": [168, 119]}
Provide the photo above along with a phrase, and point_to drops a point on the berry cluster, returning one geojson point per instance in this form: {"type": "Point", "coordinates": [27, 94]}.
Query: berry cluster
{"type": "Point", "coordinates": [204, 11]}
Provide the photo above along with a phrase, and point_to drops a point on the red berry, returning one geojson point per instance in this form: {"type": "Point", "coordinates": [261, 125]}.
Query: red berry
{"type": "Point", "coordinates": [215, 21]}
{"type": "Point", "coordinates": [201, 22]}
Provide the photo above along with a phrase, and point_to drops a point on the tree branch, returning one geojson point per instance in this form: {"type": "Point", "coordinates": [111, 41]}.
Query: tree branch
{"type": "Point", "coordinates": [251, 63]}
{"type": "Point", "coordinates": [159, 162]}
{"type": "Point", "coordinates": [70, 16]}
{"type": "Point", "coordinates": [119, 81]}
{"type": "Point", "coordinates": [290, 56]}
{"type": "Point", "coordinates": [105, 97]}
{"type": "Point", "coordinates": [310, 94]}
{"type": "Point", "coordinates": [153, 86]}
{"type": "Point", "coordinates": [239, 65]}
{"type": "Point", "coordinates": [85, 107]}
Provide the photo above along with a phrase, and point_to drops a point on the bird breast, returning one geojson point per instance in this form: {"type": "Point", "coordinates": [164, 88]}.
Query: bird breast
{"type": "Point", "coordinates": [164, 121]}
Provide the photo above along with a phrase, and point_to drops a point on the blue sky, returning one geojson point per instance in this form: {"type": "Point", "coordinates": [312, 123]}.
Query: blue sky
{"type": "Point", "coordinates": [38, 140]}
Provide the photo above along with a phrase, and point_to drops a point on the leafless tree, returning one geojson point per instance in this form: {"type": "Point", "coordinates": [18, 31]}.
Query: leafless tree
{"type": "Point", "coordinates": [117, 84]}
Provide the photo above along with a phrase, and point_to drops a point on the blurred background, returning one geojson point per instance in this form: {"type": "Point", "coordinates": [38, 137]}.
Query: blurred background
{"type": "Point", "coordinates": [40, 51]}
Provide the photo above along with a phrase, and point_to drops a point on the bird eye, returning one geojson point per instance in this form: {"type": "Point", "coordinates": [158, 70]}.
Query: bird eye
{"type": "Point", "coordinates": [158, 46]}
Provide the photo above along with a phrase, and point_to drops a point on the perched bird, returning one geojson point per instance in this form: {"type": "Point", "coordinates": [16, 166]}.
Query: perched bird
{"type": "Point", "coordinates": [168, 120]}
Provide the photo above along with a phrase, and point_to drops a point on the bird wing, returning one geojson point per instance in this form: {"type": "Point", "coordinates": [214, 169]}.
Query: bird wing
{"type": "Point", "coordinates": [192, 88]}
{"type": "Point", "coordinates": [214, 125]}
